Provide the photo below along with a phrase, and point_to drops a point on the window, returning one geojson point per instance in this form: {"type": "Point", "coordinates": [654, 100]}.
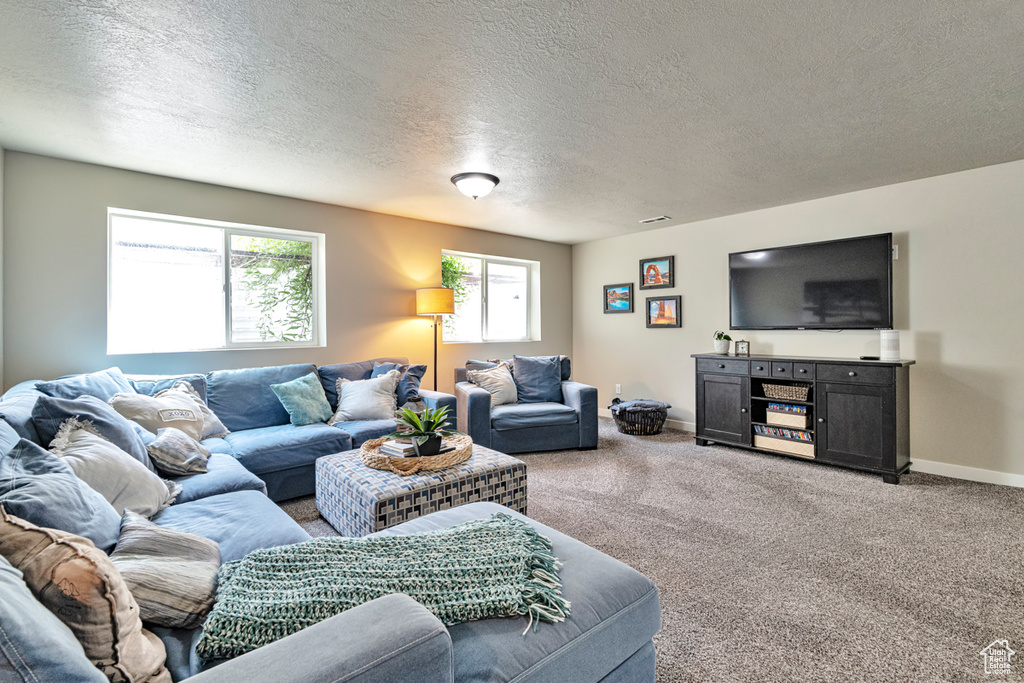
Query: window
{"type": "Point", "coordinates": [495, 298]}
{"type": "Point", "coordinates": [185, 284]}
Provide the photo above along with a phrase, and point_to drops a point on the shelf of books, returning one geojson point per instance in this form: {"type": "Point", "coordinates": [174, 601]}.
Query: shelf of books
{"type": "Point", "coordinates": [798, 442]}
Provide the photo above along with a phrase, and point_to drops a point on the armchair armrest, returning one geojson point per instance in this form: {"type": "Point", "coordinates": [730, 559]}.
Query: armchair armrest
{"type": "Point", "coordinates": [437, 399]}
{"type": "Point", "coordinates": [474, 412]}
{"type": "Point", "coordinates": [583, 398]}
{"type": "Point", "coordinates": [392, 639]}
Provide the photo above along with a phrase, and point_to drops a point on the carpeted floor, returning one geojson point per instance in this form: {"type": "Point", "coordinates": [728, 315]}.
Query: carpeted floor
{"type": "Point", "coordinates": [772, 569]}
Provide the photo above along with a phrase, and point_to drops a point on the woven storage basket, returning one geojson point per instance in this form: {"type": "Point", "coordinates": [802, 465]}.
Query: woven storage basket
{"type": "Point", "coordinates": [642, 417]}
{"type": "Point", "coordinates": [786, 392]}
{"type": "Point", "coordinates": [372, 457]}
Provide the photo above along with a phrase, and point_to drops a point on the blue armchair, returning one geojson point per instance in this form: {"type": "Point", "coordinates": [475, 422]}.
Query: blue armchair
{"type": "Point", "coordinates": [529, 427]}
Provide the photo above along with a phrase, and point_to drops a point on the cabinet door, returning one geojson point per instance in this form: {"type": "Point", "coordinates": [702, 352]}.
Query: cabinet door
{"type": "Point", "coordinates": [855, 425]}
{"type": "Point", "coordinates": [723, 412]}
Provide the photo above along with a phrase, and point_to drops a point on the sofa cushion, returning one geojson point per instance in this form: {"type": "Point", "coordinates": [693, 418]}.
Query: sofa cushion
{"type": "Point", "coordinates": [35, 646]}
{"type": "Point", "coordinates": [615, 612]}
{"type": "Point", "coordinates": [124, 481]}
{"type": "Point", "coordinates": [364, 430]}
{"type": "Point", "coordinates": [304, 399]}
{"type": "Point", "coordinates": [224, 474]}
{"type": "Point", "coordinates": [239, 522]}
{"type": "Point", "coordinates": [176, 454]}
{"type": "Point", "coordinates": [367, 399]}
{"type": "Point", "coordinates": [523, 415]}
{"type": "Point", "coordinates": [269, 449]}
{"type": "Point", "coordinates": [50, 413]}
{"type": "Point", "coordinates": [498, 382]}
{"type": "Point", "coordinates": [8, 438]}
{"type": "Point", "coordinates": [243, 399]}
{"type": "Point", "coordinates": [179, 407]}
{"type": "Point", "coordinates": [353, 372]}
{"type": "Point", "coordinates": [154, 384]}
{"type": "Point", "coordinates": [218, 445]}
{"type": "Point", "coordinates": [77, 581]}
{"type": "Point", "coordinates": [16, 409]}
{"type": "Point", "coordinates": [39, 487]}
{"type": "Point", "coordinates": [538, 379]}
{"type": "Point", "coordinates": [408, 381]}
{"type": "Point", "coordinates": [102, 385]}
{"type": "Point", "coordinates": [171, 574]}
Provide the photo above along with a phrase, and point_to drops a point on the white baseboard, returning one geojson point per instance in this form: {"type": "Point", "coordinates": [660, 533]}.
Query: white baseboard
{"type": "Point", "coordinates": [923, 466]}
{"type": "Point", "coordinates": [969, 473]}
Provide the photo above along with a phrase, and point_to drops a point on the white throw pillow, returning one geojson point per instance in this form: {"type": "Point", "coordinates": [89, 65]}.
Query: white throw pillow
{"type": "Point", "coordinates": [367, 399]}
{"type": "Point", "coordinates": [498, 382]}
{"type": "Point", "coordinates": [179, 407]}
{"type": "Point", "coordinates": [125, 482]}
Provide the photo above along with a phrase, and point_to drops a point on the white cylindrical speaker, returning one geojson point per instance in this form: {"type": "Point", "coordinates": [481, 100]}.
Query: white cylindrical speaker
{"type": "Point", "coordinates": [890, 345]}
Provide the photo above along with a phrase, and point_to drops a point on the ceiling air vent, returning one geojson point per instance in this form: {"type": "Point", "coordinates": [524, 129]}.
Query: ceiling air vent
{"type": "Point", "coordinates": [656, 219]}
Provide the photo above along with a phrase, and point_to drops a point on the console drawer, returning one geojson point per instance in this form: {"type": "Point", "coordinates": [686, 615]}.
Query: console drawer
{"type": "Point", "coordinates": [855, 374]}
{"type": "Point", "coordinates": [726, 366]}
{"type": "Point", "coordinates": [803, 370]}
{"type": "Point", "coordinates": [782, 369]}
{"type": "Point", "coordinates": [760, 368]}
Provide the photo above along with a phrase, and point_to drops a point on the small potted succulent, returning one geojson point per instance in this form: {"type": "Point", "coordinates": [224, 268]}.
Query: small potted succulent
{"type": "Point", "coordinates": [722, 342]}
{"type": "Point", "coordinates": [425, 430]}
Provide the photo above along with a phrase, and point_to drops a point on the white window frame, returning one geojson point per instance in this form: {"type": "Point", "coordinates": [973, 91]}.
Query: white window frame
{"type": "Point", "coordinates": [319, 250]}
{"type": "Point", "coordinates": [532, 283]}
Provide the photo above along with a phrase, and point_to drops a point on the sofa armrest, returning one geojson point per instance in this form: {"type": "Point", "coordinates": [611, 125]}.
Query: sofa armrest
{"type": "Point", "coordinates": [583, 398]}
{"type": "Point", "coordinates": [392, 639]}
{"type": "Point", "coordinates": [474, 412]}
{"type": "Point", "coordinates": [437, 399]}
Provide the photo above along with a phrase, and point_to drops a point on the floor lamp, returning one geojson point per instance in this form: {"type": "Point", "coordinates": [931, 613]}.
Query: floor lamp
{"type": "Point", "coordinates": [435, 301]}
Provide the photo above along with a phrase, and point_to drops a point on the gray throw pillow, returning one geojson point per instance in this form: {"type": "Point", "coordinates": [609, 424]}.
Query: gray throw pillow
{"type": "Point", "coordinates": [171, 574]}
{"type": "Point", "coordinates": [368, 399]}
{"type": "Point", "coordinates": [179, 407]}
{"type": "Point", "coordinates": [124, 481]}
{"type": "Point", "coordinates": [177, 454]}
{"type": "Point", "coordinates": [538, 378]}
{"type": "Point", "coordinates": [498, 382]}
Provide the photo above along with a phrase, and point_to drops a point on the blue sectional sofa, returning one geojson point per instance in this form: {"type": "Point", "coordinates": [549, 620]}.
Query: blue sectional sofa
{"type": "Point", "coordinates": [607, 638]}
{"type": "Point", "coordinates": [529, 427]}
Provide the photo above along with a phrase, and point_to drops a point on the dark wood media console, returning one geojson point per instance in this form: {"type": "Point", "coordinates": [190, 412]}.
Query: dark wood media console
{"type": "Point", "coordinates": [856, 413]}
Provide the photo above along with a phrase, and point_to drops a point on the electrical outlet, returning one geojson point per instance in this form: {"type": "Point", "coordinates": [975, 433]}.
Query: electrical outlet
{"type": "Point", "coordinates": [895, 252]}
{"type": "Point", "coordinates": [618, 388]}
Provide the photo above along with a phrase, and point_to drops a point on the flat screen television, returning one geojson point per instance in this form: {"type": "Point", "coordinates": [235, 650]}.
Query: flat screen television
{"type": "Point", "coordinates": [837, 285]}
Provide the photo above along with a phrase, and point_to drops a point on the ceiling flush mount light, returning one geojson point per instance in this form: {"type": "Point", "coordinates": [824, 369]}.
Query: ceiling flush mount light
{"type": "Point", "coordinates": [475, 185]}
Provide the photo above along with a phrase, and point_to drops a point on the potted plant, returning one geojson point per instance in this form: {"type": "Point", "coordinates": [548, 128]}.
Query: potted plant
{"type": "Point", "coordinates": [425, 429]}
{"type": "Point", "coordinates": [722, 342]}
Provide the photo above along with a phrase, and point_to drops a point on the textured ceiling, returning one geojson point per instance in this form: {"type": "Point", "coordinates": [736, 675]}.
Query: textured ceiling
{"type": "Point", "coordinates": [593, 114]}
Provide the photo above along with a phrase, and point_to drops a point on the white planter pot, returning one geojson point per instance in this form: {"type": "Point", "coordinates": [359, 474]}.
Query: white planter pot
{"type": "Point", "coordinates": [722, 346]}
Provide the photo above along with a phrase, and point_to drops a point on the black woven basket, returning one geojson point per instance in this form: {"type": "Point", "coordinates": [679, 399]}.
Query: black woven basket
{"type": "Point", "coordinates": [639, 420]}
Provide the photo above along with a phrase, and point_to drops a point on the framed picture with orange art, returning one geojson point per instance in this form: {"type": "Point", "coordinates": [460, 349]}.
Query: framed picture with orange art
{"type": "Point", "coordinates": [665, 311]}
{"type": "Point", "coordinates": [658, 272]}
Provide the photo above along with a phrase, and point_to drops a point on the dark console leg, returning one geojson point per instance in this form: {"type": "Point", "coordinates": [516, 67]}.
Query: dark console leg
{"type": "Point", "coordinates": [701, 442]}
{"type": "Point", "coordinates": [891, 478]}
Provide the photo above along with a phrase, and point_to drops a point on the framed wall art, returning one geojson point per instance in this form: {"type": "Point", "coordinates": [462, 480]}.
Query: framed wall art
{"type": "Point", "coordinates": [618, 298]}
{"type": "Point", "coordinates": [665, 311]}
{"type": "Point", "coordinates": [658, 273]}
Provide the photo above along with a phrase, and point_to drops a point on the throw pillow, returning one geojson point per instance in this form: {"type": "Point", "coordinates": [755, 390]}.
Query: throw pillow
{"type": "Point", "coordinates": [408, 382]}
{"type": "Point", "coordinates": [171, 574]}
{"type": "Point", "coordinates": [102, 385]}
{"type": "Point", "coordinates": [538, 378]}
{"type": "Point", "coordinates": [40, 487]}
{"type": "Point", "coordinates": [304, 399]}
{"type": "Point", "coordinates": [367, 399]}
{"type": "Point", "coordinates": [49, 414]}
{"type": "Point", "coordinates": [78, 582]}
{"type": "Point", "coordinates": [498, 381]}
{"type": "Point", "coordinates": [115, 475]}
{"type": "Point", "coordinates": [179, 407]}
{"type": "Point", "coordinates": [177, 454]}
{"type": "Point", "coordinates": [152, 385]}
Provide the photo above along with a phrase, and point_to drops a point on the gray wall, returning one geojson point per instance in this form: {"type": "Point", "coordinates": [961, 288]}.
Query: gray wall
{"type": "Point", "coordinates": [958, 305]}
{"type": "Point", "coordinates": [55, 275]}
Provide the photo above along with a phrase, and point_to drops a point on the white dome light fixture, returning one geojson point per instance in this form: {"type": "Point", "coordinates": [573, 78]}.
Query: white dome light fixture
{"type": "Point", "coordinates": [475, 185]}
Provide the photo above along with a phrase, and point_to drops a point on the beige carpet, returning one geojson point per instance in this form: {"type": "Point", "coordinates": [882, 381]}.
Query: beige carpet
{"type": "Point", "coordinates": [773, 569]}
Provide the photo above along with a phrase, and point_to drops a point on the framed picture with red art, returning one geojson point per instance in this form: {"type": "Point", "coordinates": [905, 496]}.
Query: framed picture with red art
{"type": "Point", "coordinates": [664, 311]}
{"type": "Point", "coordinates": [658, 272]}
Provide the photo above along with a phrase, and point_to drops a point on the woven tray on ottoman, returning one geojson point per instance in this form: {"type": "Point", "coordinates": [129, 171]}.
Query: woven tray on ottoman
{"type": "Point", "coordinates": [358, 500]}
{"type": "Point", "coordinates": [640, 417]}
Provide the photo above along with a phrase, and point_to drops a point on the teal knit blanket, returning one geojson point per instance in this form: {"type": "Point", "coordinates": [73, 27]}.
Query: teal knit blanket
{"type": "Point", "coordinates": [496, 567]}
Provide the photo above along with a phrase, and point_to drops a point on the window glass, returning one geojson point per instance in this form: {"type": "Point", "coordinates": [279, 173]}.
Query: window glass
{"type": "Point", "coordinates": [492, 297]}
{"type": "Point", "coordinates": [465, 325]}
{"type": "Point", "coordinates": [506, 301]}
{"type": "Point", "coordinates": [271, 289]}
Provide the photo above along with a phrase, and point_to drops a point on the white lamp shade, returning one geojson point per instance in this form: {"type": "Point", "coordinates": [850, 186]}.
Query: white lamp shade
{"type": "Point", "coordinates": [475, 185]}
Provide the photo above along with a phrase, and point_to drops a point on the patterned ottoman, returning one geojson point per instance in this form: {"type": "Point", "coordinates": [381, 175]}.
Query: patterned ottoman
{"type": "Point", "coordinates": [358, 500]}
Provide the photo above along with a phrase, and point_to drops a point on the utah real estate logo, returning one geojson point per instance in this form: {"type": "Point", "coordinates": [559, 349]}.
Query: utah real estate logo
{"type": "Point", "coordinates": [997, 657]}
